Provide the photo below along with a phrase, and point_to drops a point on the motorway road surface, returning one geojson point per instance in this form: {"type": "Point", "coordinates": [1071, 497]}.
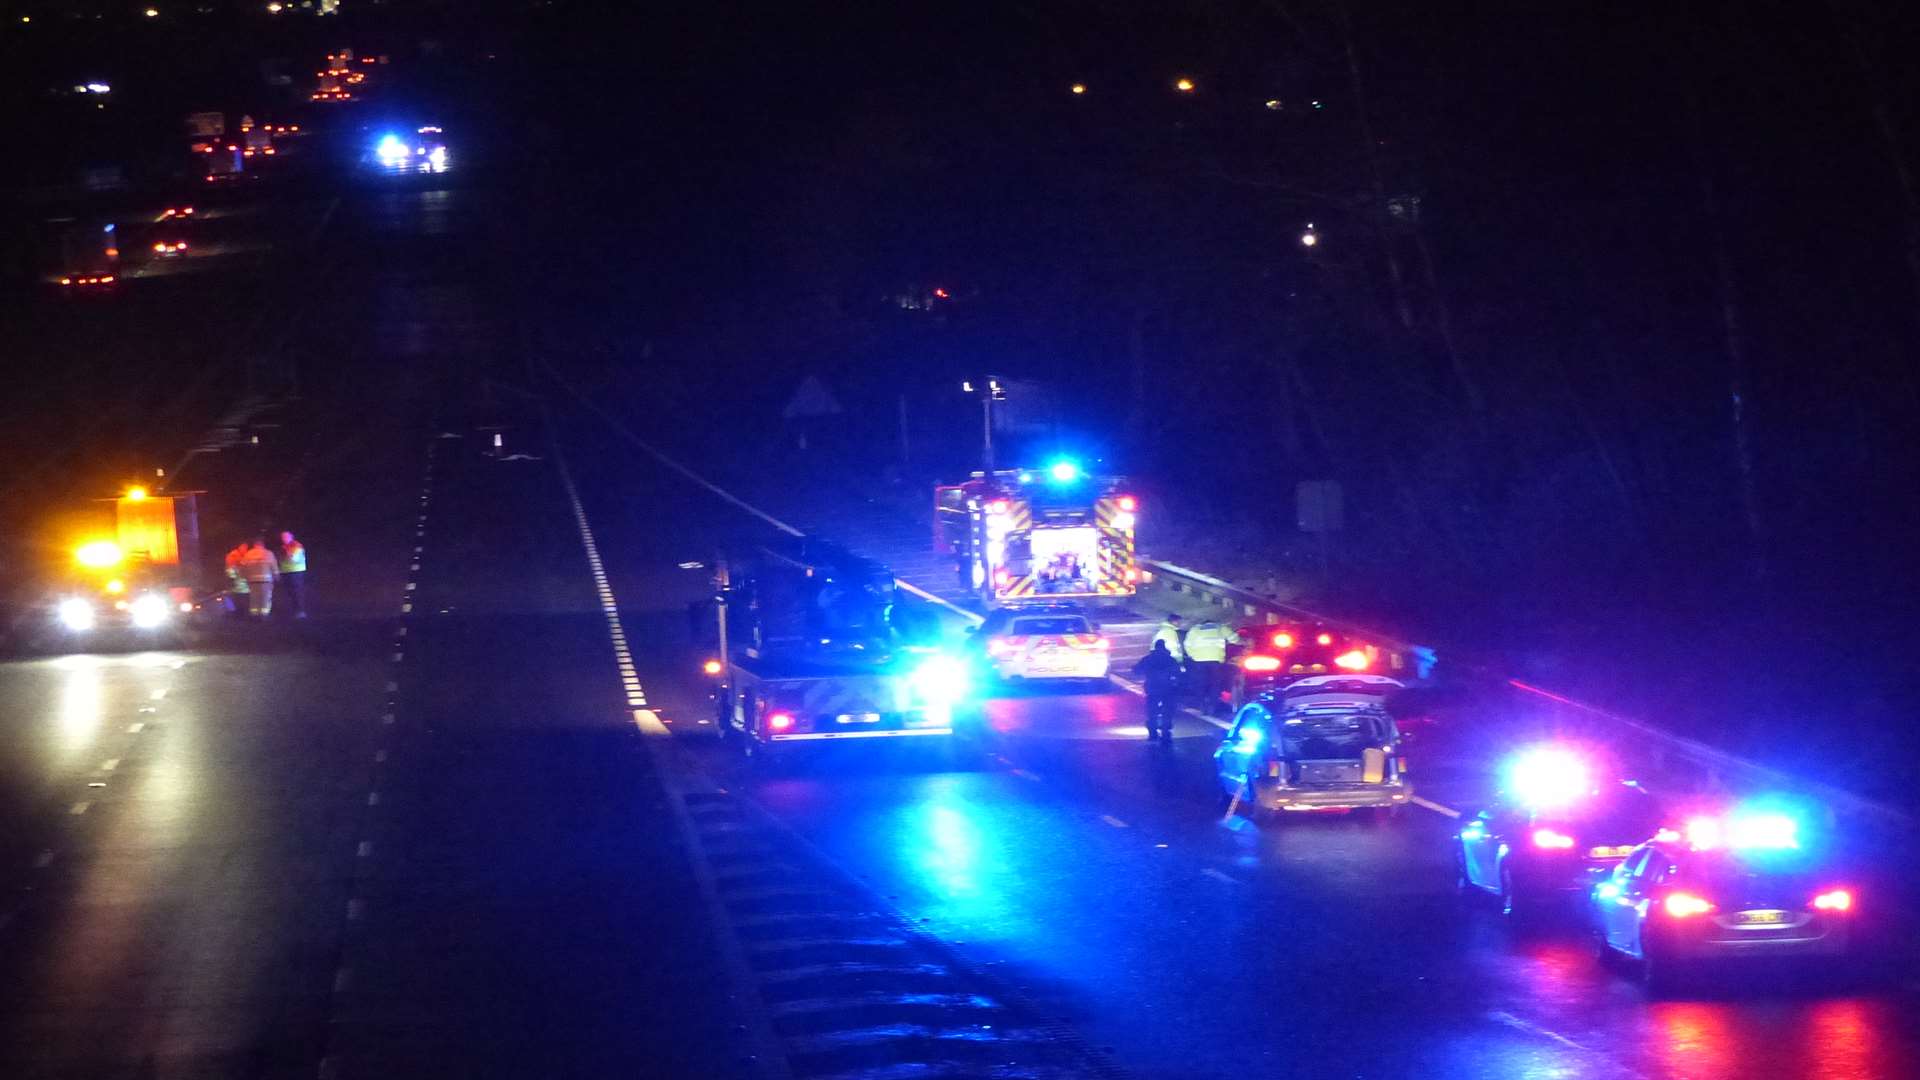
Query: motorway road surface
{"type": "Point", "coordinates": [468, 824]}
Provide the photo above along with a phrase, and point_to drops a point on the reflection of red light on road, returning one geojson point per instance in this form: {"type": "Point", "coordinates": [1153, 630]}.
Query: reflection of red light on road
{"type": "Point", "coordinates": [1693, 1039]}
{"type": "Point", "coordinates": [1844, 1037]}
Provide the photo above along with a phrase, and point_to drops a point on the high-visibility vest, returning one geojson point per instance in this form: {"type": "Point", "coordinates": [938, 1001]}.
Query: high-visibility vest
{"type": "Point", "coordinates": [1170, 634]}
{"type": "Point", "coordinates": [295, 560]}
{"type": "Point", "coordinates": [1207, 643]}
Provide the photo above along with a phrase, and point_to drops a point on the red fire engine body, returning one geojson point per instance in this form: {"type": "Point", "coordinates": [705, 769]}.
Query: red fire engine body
{"type": "Point", "coordinates": [1030, 537]}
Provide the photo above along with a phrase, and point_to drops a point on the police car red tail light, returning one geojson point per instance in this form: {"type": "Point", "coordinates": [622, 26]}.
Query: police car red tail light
{"type": "Point", "coordinates": [1283, 640]}
{"type": "Point", "coordinates": [779, 721]}
{"type": "Point", "coordinates": [1127, 503]}
{"type": "Point", "coordinates": [1552, 840]}
{"type": "Point", "coordinates": [1351, 661]}
{"type": "Point", "coordinates": [1260, 663]}
{"type": "Point", "coordinates": [1680, 905]}
{"type": "Point", "coordinates": [1835, 900]}
{"type": "Point", "coordinates": [1003, 647]}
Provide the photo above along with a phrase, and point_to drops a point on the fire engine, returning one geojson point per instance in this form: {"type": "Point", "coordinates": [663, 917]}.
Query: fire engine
{"type": "Point", "coordinates": [1027, 536]}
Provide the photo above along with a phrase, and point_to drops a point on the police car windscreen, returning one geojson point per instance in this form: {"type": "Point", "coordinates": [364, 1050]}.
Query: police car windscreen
{"type": "Point", "coordinates": [1052, 625]}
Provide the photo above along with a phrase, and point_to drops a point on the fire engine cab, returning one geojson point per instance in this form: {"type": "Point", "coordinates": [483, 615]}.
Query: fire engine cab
{"type": "Point", "coordinates": [1039, 536]}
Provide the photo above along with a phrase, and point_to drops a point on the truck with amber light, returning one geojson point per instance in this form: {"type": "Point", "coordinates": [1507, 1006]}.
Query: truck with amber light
{"type": "Point", "coordinates": [1040, 536]}
{"type": "Point", "coordinates": [128, 580]}
{"type": "Point", "coordinates": [811, 644]}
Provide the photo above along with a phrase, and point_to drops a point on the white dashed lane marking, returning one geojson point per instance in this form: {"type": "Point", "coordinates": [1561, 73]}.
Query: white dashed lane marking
{"type": "Point", "coordinates": [1218, 876]}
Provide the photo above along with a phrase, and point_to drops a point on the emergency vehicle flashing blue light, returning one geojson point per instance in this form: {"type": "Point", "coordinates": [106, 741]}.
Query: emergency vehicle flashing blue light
{"type": "Point", "coordinates": [1064, 472]}
{"type": "Point", "coordinates": [1763, 831]}
{"type": "Point", "coordinates": [392, 150]}
{"type": "Point", "coordinates": [1548, 776]}
{"type": "Point", "coordinates": [1250, 739]}
{"type": "Point", "coordinates": [940, 680]}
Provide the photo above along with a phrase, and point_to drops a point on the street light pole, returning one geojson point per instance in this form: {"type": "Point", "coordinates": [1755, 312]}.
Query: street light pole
{"type": "Point", "coordinates": [990, 391]}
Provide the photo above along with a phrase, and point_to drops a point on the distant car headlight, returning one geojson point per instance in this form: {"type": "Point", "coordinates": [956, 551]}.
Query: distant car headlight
{"type": "Point", "coordinates": [149, 611]}
{"type": "Point", "coordinates": [76, 615]}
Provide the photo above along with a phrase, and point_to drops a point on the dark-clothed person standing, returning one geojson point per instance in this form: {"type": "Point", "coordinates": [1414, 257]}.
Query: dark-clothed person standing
{"type": "Point", "coordinates": [1160, 673]}
{"type": "Point", "coordinates": [293, 573]}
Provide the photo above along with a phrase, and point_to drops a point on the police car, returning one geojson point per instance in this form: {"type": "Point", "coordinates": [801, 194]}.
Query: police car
{"type": "Point", "coordinates": [1048, 643]}
{"type": "Point", "coordinates": [1552, 832]}
{"type": "Point", "coordinates": [1722, 890]}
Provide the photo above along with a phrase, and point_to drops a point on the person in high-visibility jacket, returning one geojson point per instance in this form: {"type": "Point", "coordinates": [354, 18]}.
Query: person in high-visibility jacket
{"type": "Point", "coordinates": [1207, 661]}
{"type": "Point", "coordinates": [1170, 635]}
{"type": "Point", "coordinates": [260, 568]}
{"type": "Point", "coordinates": [236, 581]}
{"type": "Point", "coordinates": [293, 572]}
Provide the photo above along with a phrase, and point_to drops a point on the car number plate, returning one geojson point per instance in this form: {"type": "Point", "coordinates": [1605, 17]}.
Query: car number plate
{"type": "Point", "coordinates": [1760, 918]}
{"type": "Point", "coordinates": [1604, 852]}
{"type": "Point", "coordinates": [858, 718]}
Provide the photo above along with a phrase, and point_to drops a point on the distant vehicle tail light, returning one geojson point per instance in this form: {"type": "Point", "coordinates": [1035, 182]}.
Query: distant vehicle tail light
{"type": "Point", "coordinates": [1552, 840]}
{"type": "Point", "coordinates": [1260, 663]}
{"type": "Point", "coordinates": [780, 721]}
{"type": "Point", "coordinates": [1681, 905]}
{"type": "Point", "coordinates": [186, 605]}
{"type": "Point", "coordinates": [1283, 640]}
{"type": "Point", "coordinates": [1351, 661]}
{"type": "Point", "coordinates": [1834, 900]}
{"type": "Point", "coordinates": [1325, 639]}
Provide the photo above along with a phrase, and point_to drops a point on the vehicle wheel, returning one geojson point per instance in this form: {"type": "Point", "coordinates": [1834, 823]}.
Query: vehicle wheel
{"type": "Point", "coordinates": [1602, 951]}
{"type": "Point", "coordinates": [1461, 882]}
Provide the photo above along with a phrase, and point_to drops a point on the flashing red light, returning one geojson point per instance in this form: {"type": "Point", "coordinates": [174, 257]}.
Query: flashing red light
{"type": "Point", "coordinates": [940, 293]}
{"type": "Point", "coordinates": [1002, 578]}
{"type": "Point", "coordinates": [1132, 574]}
{"type": "Point", "coordinates": [1552, 840]}
{"type": "Point", "coordinates": [1128, 503]}
{"type": "Point", "coordinates": [997, 506]}
{"type": "Point", "coordinates": [780, 721]}
{"type": "Point", "coordinates": [1001, 648]}
{"type": "Point", "coordinates": [1283, 640]}
{"type": "Point", "coordinates": [1325, 639]}
{"type": "Point", "coordinates": [1351, 661]}
{"type": "Point", "coordinates": [1834, 900]}
{"type": "Point", "coordinates": [1260, 663]}
{"type": "Point", "coordinates": [1681, 905]}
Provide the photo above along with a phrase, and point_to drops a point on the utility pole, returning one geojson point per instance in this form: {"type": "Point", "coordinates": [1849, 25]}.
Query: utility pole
{"type": "Point", "coordinates": [990, 391]}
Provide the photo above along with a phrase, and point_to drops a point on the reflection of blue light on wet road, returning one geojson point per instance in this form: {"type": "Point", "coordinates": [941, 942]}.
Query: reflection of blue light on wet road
{"type": "Point", "coordinates": [952, 852]}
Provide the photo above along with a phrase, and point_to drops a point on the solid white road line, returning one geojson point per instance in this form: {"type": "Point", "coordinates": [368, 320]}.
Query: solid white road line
{"type": "Point", "coordinates": [1438, 808]}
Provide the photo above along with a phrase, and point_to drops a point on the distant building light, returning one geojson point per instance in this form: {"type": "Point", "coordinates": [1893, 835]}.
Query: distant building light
{"type": "Point", "coordinates": [153, 13]}
{"type": "Point", "coordinates": [1185, 85]}
{"type": "Point", "coordinates": [1078, 88]}
{"type": "Point", "coordinates": [1274, 104]}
